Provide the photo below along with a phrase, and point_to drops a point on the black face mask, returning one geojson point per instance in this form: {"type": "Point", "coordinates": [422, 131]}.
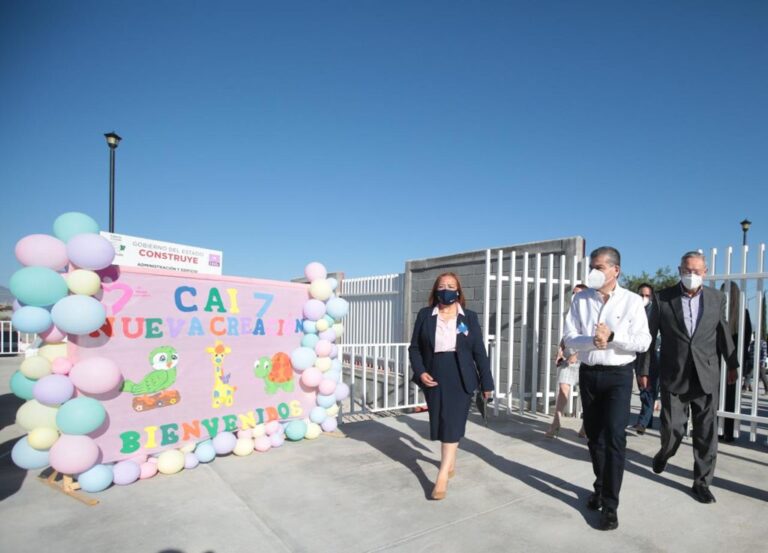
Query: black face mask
{"type": "Point", "coordinates": [447, 297]}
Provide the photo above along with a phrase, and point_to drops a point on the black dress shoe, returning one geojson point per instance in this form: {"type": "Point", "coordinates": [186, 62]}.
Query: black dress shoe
{"type": "Point", "coordinates": [659, 463]}
{"type": "Point", "coordinates": [702, 494]}
{"type": "Point", "coordinates": [595, 502]}
{"type": "Point", "coordinates": [609, 520]}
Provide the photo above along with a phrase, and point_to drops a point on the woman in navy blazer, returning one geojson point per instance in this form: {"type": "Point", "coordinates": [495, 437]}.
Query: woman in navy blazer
{"type": "Point", "coordinates": [449, 362]}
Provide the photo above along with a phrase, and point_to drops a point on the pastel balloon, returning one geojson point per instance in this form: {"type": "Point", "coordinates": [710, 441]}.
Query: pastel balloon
{"type": "Point", "coordinates": [309, 327]}
{"type": "Point", "coordinates": [336, 365]}
{"type": "Point", "coordinates": [334, 351]}
{"type": "Point", "coordinates": [314, 271]}
{"type": "Point", "coordinates": [170, 461]}
{"type": "Point", "coordinates": [333, 410]}
{"type": "Point", "coordinates": [53, 389]}
{"type": "Point", "coordinates": [326, 401]}
{"type": "Point", "coordinates": [338, 328]}
{"type": "Point", "coordinates": [53, 334]}
{"type": "Point", "coordinates": [295, 430]}
{"type": "Point", "coordinates": [21, 386]}
{"type": "Point", "coordinates": [329, 335]}
{"type": "Point", "coordinates": [96, 479]}
{"type": "Point", "coordinates": [273, 427]}
{"type": "Point", "coordinates": [314, 310]}
{"type": "Point", "coordinates": [81, 415]}
{"type": "Point", "coordinates": [73, 454]}
{"type": "Point", "coordinates": [31, 319]}
{"type": "Point", "coordinates": [27, 457]}
{"type": "Point", "coordinates": [318, 415]}
{"type": "Point", "coordinates": [34, 414]}
{"type": "Point", "coordinates": [323, 348]}
{"type": "Point", "coordinates": [61, 365]}
{"type": "Point", "coordinates": [320, 290]}
{"type": "Point", "coordinates": [82, 281]}
{"type": "Point", "coordinates": [17, 305]}
{"type": "Point", "coordinates": [190, 460]}
{"type": "Point", "coordinates": [224, 443]}
{"type": "Point", "coordinates": [243, 447]}
{"type": "Point", "coordinates": [189, 447]}
{"type": "Point", "coordinates": [337, 308]}
{"type": "Point", "coordinates": [35, 367]}
{"type": "Point", "coordinates": [323, 363]}
{"type": "Point", "coordinates": [342, 391]}
{"type": "Point", "coordinates": [332, 374]}
{"type": "Point", "coordinates": [262, 444]}
{"type": "Point", "coordinates": [303, 358]}
{"type": "Point", "coordinates": [310, 340]}
{"type": "Point", "coordinates": [247, 433]}
{"type": "Point", "coordinates": [259, 430]}
{"type": "Point", "coordinates": [78, 314]}
{"type": "Point", "coordinates": [329, 425]}
{"type": "Point", "coordinates": [326, 387]}
{"type": "Point", "coordinates": [52, 351]}
{"type": "Point", "coordinates": [38, 286]}
{"type": "Point", "coordinates": [42, 250]}
{"type": "Point", "coordinates": [331, 320]}
{"type": "Point", "coordinates": [125, 472]}
{"type": "Point", "coordinates": [276, 440]}
{"type": "Point", "coordinates": [333, 283]}
{"type": "Point", "coordinates": [147, 470]}
{"type": "Point", "coordinates": [73, 223]}
{"type": "Point", "coordinates": [205, 452]}
{"type": "Point", "coordinates": [311, 377]}
{"type": "Point", "coordinates": [90, 251]}
{"type": "Point", "coordinates": [96, 375]}
{"type": "Point", "coordinates": [139, 458]}
{"type": "Point", "coordinates": [313, 431]}
{"type": "Point", "coordinates": [322, 325]}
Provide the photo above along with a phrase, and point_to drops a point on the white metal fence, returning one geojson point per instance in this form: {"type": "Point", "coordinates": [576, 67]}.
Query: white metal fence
{"type": "Point", "coordinates": [375, 309]}
{"type": "Point", "coordinates": [13, 342]}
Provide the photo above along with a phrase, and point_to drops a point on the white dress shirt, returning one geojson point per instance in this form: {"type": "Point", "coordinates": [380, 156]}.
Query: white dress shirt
{"type": "Point", "coordinates": [623, 313]}
{"type": "Point", "coordinates": [445, 333]}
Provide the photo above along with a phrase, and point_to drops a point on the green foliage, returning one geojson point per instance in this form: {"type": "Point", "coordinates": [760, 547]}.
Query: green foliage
{"type": "Point", "coordinates": [663, 278]}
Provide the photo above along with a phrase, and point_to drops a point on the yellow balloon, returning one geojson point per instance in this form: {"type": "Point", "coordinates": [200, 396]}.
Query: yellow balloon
{"type": "Point", "coordinates": [188, 448]}
{"type": "Point", "coordinates": [333, 410]}
{"type": "Point", "coordinates": [320, 289]}
{"type": "Point", "coordinates": [243, 447]}
{"type": "Point", "coordinates": [82, 281]}
{"type": "Point", "coordinates": [35, 367]}
{"type": "Point", "coordinates": [259, 430]}
{"type": "Point", "coordinates": [321, 325]}
{"type": "Point", "coordinates": [170, 462]}
{"type": "Point", "coordinates": [338, 328]}
{"type": "Point", "coordinates": [42, 438]}
{"type": "Point", "coordinates": [52, 351]}
{"type": "Point", "coordinates": [34, 414]}
{"type": "Point", "coordinates": [323, 363]}
{"type": "Point", "coordinates": [313, 431]}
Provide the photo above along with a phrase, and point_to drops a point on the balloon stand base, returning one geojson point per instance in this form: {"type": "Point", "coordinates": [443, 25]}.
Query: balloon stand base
{"type": "Point", "coordinates": [68, 486]}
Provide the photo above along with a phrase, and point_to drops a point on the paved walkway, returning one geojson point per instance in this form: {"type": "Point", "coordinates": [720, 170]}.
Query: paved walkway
{"type": "Point", "coordinates": [515, 490]}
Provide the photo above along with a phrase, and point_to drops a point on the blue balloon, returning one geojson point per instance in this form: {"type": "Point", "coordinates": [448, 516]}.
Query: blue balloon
{"type": "Point", "coordinates": [330, 320]}
{"type": "Point", "coordinates": [38, 286]}
{"type": "Point", "coordinates": [337, 308]}
{"type": "Point", "coordinates": [326, 401]}
{"type": "Point", "coordinates": [80, 415]}
{"type": "Point", "coordinates": [21, 386]}
{"type": "Point", "coordinates": [205, 452]}
{"type": "Point", "coordinates": [336, 365]}
{"type": "Point", "coordinates": [295, 430]}
{"type": "Point", "coordinates": [73, 223]}
{"type": "Point", "coordinates": [303, 358]}
{"type": "Point", "coordinates": [318, 414]}
{"type": "Point", "coordinates": [78, 314]}
{"type": "Point", "coordinates": [27, 457]}
{"type": "Point", "coordinates": [332, 374]}
{"type": "Point", "coordinates": [333, 283]}
{"type": "Point", "coordinates": [32, 319]}
{"type": "Point", "coordinates": [310, 340]}
{"type": "Point", "coordinates": [96, 479]}
{"type": "Point", "coordinates": [309, 327]}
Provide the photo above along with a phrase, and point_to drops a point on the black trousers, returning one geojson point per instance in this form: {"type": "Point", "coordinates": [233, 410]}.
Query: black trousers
{"type": "Point", "coordinates": [674, 417]}
{"type": "Point", "coordinates": [605, 396]}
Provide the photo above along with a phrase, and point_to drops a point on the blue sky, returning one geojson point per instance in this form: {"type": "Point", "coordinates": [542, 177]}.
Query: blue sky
{"type": "Point", "coordinates": [362, 134]}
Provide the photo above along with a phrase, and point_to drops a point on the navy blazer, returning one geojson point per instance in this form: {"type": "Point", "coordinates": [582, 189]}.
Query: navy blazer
{"type": "Point", "coordinates": [474, 366]}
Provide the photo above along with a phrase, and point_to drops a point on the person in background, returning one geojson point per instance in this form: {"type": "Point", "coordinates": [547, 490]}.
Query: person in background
{"type": "Point", "coordinates": [567, 378]}
{"type": "Point", "coordinates": [762, 365]}
{"type": "Point", "coordinates": [647, 363]}
{"type": "Point", "coordinates": [449, 363]}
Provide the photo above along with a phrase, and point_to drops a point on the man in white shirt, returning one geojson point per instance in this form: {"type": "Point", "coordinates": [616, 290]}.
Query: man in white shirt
{"type": "Point", "coordinates": [607, 327]}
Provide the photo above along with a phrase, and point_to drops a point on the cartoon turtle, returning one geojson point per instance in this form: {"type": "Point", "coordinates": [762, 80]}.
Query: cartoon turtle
{"type": "Point", "coordinates": [276, 372]}
{"type": "Point", "coordinates": [163, 360]}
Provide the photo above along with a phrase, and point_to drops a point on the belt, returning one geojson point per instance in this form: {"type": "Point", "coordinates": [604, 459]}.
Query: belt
{"type": "Point", "coordinates": [627, 365]}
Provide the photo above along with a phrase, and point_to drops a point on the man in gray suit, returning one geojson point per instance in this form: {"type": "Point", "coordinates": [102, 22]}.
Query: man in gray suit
{"type": "Point", "coordinates": [694, 336]}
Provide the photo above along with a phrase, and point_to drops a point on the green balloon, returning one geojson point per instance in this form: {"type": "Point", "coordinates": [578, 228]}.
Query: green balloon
{"type": "Point", "coordinates": [73, 223]}
{"type": "Point", "coordinates": [81, 415]}
{"type": "Point", "coordinates": [21, 386]}
{"type": "Point", "coordinates": [295, 430]}
{"type": "Point", "coordinates": [38, 286]}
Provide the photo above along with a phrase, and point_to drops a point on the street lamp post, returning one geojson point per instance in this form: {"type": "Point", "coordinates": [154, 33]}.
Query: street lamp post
{"type": "Point", "coordinates": [745, 228]}
{"type": "Point", "coordinates": [112, 141]}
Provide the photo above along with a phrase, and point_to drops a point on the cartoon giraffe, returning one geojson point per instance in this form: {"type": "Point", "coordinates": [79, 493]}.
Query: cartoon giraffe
{"type": "Point", "coordinates": [223, 393]}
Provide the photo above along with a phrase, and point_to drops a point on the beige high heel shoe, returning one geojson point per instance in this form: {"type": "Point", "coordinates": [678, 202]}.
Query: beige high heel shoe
{"type": "Point", "coordinates": [554, 429]}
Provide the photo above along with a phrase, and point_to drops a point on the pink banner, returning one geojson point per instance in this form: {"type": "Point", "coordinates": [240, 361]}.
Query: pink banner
{"type": "Point", "coordinates": [199, 355]}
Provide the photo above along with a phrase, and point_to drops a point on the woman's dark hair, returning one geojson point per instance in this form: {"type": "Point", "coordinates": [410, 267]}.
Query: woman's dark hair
{"type": "Point", "coordinates": [432, 301]}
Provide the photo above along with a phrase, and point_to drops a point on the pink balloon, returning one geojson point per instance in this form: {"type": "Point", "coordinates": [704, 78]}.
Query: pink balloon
{"type": "Point", "coordinates": [327, 386]}
{"type": "Point", "coordinates": [315, 271]}
{"type": "Point", "coordinates": [61, 365]}
{"type": "Point", "coordinates": [97, 375]}
{"type": "Point", "coordinates": [342, 391]}
{"type": "Point", "coordinates": [311, 377]}
{"type": "Point", "coordinates": [247, 433]}
{"type": "Point", "coordinates": [147, 470]}
{"type": "Point", "coordinates": [262, 443]}
{"type": "Point", "coordinates": [73, 454]}
{"type": "Point", "coordinates": [272, 427]}
{"type": "Point", "coordinates": [323, 348]}
{"type": "Point", "coordinates": [139, 458]}
{"type": "Point", "coordinates": [53, 335]}
{"type": "Point", "coordinates": [42, 250]}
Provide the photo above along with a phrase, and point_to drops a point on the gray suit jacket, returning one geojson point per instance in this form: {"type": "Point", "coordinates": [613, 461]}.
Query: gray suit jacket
{"type": "Point", "coordinates": [710, 341]}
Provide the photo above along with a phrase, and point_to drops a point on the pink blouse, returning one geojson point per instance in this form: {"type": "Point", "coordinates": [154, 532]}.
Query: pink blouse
{"type": "Point", "coordinates": [445, 335]}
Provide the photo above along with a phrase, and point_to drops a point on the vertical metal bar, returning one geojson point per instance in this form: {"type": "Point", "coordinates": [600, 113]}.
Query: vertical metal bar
{"type": "Point", "coordinates": [523, 331]}
{"type": "Point", "coordinates": [352, 377]}
{"type": "Point", "coordinates": [740, 345]}
{"type": "Point", "coordinates": [375, 372]}
{"type": "Point", "coordinates": [756, 345]}
{"type": "Point", "coordinates": [511, 345]}
{"type": "Point", "coordinates": [547, 363]}
{"type": "Point", "coordinates": [487, 298]}
{"type": "Point", "coordinates": [497, 340]}
{"type": "Point", "coordinates": [364, 365]}
{"type": "Point", "coordinates": [727, 286]}
{"type": "Point", "coordinates": [398, 379]}
{"type": "Point", "coordinates": [386, 376]}
{"type": "Point", "coordinates": [536, 352]}
{"type": "Point", "coordinates": [574, 276]}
